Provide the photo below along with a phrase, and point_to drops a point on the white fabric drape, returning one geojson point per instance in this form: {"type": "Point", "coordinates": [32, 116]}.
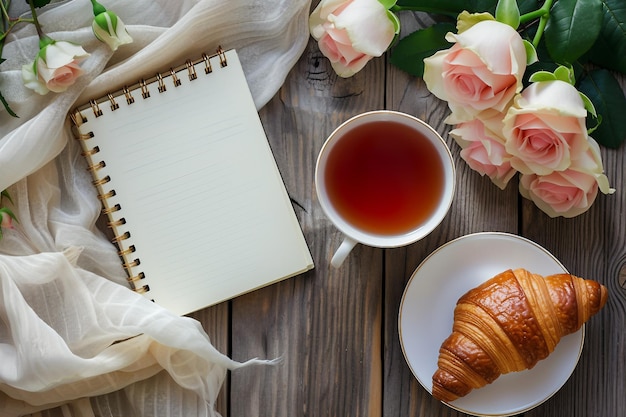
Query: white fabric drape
{"type": "Point", "coordinates": [71, 332]}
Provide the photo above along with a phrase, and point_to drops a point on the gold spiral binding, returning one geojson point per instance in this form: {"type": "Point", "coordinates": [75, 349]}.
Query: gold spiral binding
{"type": "Point", "coordinates": [162, 87]}
{"type": "Point", "coordinates": [85, 136]}
{"type": "Point", "coordinates": [117, 223]}
{"type": "Point", "coordinates": [129, 97]}
{"type": "Point", "coordinates": [114, 105]}
{"type": "Point", "coordinates": [101, 181]}
{"type": "Point", "coordinates": [142, 290]}
{"type": "Point", "coordinates": [91, 152]}
{"type": "Point", "coordinates": [96, 108]}
{"type": "Point", "coordinates": [191, 69]}
{"type": "Point", "coordinates": [222, 55]}
{"type": "Point", "coordinates": [175, 79]}
{"type": "Point", "coordinates": [132, 264]}
{"type": "Point", "coordinates": [127, 251]}
{"type": "Point", "coordinates": [107, 195]}
{"type": "Point", "coordinates": [136, 278]}
{"type": "Point", "coordinates": [119, 238]}
{"type": "Point", "coordinates": [145, 93]}
{"type": "Point", "coordinates": [112, 209]}
{"type": "Point", "coordinates": [96, 166]}
{"type": "Point", "coordinates": [75, 115]}
{"type": "Point", "coordinates": [207, 64]}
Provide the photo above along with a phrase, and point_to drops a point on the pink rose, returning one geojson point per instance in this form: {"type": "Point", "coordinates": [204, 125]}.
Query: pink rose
{"type": "Point", "coordinates": [55, 68]}
{"type": "Point", "coordinates": [7, 221]}
{"type": "Point", "coordinates": [482, 70]}
{"type": "Point", "coordinates": [590, 162]}
{"type": "Point", "coordinates": [483, 147]}
{"type": "Point", "coordinates": [545, 128]}
{"type": "Point", "coordinates": [562, 193]}
{"type": "Point", "coordinates": [351, 32]}
{"type": "Point", "coordinates": [570, 192]}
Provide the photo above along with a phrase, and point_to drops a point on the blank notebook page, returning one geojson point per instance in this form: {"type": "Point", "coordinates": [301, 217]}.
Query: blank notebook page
{"type": "Point", "coordinates": [198, 188]}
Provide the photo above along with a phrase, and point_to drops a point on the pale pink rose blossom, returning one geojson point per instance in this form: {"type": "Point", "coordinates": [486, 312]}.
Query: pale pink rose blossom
{"type": "Point", "coordinates": [7, 221]}
{"type": "Point", "coordinates": [351, 32]}
{"type": "Point", "coordinates": [570, 192]}
{"type": "Point", "coordinates": [55, 68]}
{"type": "Point", "coordinates": [545, 128]}
{"type": "Point", "coordinates": [562, 193]}
{"type": "Point", "coordinates": [482, 70]}
{"type": "Point", "coordinates": [590, 162]}
{"type": "Point", "coordinates": [483, 148]}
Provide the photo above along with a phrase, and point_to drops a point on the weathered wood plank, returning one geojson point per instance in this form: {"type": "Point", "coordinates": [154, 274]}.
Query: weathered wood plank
{"type": "Point", "coordinates": [326, 324]}
{"type": "Point", "coordinates": [216, 322]}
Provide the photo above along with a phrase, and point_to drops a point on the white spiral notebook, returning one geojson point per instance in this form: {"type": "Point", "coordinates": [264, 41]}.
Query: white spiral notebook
{"type": "Point", "coordinates": [190, 185]}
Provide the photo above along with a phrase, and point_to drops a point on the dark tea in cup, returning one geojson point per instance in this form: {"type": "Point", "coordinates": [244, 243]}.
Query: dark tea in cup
{"type": "Point", "coordinates": [385, 179]}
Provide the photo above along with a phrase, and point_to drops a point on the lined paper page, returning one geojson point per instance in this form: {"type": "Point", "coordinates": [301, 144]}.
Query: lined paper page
{"type": "Point", "coordinates": [199, 189]}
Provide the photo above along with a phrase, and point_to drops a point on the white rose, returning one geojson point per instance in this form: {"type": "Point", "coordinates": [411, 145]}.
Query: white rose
{"type": "Point", "coordinates": [55, 68]}
{"type": "Point", "coordinates": [110, 29]}
{"type": "Point", "coordinates": [351, 32]}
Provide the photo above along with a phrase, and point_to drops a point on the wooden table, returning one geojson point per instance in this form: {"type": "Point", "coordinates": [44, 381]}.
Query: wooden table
{"type": "Point", "coordinates": [337, 328]}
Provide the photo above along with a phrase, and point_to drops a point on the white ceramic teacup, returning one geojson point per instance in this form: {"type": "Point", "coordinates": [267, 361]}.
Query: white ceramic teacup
{"type": "Point", "coordinates": [385, 179]}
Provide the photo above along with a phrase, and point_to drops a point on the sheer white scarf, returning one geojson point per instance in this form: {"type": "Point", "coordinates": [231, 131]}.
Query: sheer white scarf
{"type": "Point", "coordinates": [70, 328]}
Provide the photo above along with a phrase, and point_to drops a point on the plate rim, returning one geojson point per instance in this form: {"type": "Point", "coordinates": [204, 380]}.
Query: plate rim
{"type": "Point", "coordinates": [402, 302]}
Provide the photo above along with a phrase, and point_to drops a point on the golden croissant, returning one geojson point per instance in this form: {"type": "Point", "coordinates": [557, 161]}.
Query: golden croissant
{"type": "Point", "coordinates": [508, 324]}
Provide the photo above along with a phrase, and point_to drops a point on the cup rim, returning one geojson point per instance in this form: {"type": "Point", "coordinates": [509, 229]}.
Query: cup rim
{"type": "Point", "coordinates": [410, 236]}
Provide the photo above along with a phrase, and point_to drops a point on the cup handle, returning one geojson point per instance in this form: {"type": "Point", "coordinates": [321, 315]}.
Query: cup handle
{"type": "Point", "coordinates": [342, 252]}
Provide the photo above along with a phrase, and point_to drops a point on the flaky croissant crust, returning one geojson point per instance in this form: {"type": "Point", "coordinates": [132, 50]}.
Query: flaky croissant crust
{"type": "Point", "coordinates": [508, 324]}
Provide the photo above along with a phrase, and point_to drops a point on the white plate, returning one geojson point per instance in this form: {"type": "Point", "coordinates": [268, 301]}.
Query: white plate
{"type": "Point", "coordinates": [426, 316]}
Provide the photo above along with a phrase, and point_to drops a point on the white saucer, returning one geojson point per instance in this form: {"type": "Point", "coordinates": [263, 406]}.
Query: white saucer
{"type": "Point", "coordinates": [426, 316]}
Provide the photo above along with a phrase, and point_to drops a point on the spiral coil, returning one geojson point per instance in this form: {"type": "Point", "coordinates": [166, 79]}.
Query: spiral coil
{"type": "Point", "coordinates": [161, 79]}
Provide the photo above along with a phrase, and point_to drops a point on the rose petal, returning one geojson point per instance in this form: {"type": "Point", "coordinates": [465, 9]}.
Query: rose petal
{"type": "Point", "coordinates": [366, 21]}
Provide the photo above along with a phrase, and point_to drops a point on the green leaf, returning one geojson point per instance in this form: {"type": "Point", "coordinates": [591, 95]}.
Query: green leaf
{"type": "Point", "coordinates": [608, 99]}
{"type": "Point", "coordinates": [6, 106]}
{"type": "Point", "coordinates": [396, 21]}
{"type": "Point", "coordinates": [565, 74]}
{"type": "Point", "coordinates": [540, 76]}
{"type": "Point", "coordinates": [6, 195]}
{"type": "Point", "coordinates": [409, 53]}
{"type": "Point", "coordinates": [572, 29]}
{"type": "Point", "coordinates": [591, 109]}
{"type": "Point", "coordinates": [609, 51]}
{"type": "Point", "coordinates": [531, 52]}
{"type": "Point", "coordinates": [466, 20]}
{"type": "Point", "coordinates": [388, 4]}
{"type": "Point", "coordinates": [561, 73]}
{"type": "Point", "coordinates": [507, 12]}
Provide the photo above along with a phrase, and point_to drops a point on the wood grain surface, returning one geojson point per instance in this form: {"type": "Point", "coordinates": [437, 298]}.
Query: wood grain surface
{"type": "Point", "coordinates": [336, 330]}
